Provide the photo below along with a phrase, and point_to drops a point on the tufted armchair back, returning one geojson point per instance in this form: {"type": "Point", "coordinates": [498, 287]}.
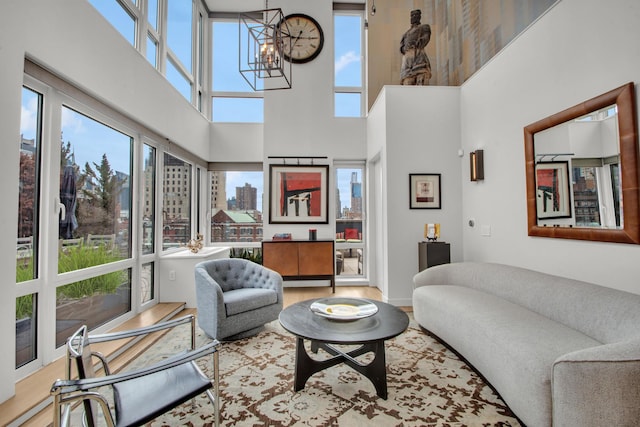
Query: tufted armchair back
{"type": "Point", "coordinates": [236, 297]}
{"type": "Point", "coordinates": [238, 273]}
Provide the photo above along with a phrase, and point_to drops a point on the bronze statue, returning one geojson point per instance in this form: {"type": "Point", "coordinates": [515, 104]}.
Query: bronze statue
{"type": "Point", "coordinates": [416, 69]}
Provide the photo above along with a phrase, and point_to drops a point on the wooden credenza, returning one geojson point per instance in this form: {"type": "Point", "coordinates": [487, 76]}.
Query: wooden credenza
{"type": "Point", "coordinates": [301, 259]}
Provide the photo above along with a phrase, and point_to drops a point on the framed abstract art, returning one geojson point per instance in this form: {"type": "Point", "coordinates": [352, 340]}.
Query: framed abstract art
{"type": "Point", "coordinates": [298, 194]}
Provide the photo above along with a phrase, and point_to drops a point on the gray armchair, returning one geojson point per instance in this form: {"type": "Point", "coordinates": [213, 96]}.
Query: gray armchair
{"type": "Point", "coordinates": [236, 297]}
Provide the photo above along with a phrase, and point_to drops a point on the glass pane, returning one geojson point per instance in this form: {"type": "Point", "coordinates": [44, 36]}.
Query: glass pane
{"type": "Point", "coordinates": [236, 206]}
{"type": "Point", "coordinates": [226, 75]}
{"type": "Point", "coordinates": [615, 191]}
{"type": "Point", "coordinates": [152, 51]}
{"type": "Point", "coordinates": [586, 198]}
{"type": "Point", "coordinates": [200, 50]}
{"type": "Point", "coordinates": [178, 80]}
{"type": "Point", "coordinates": [238, 110]}
{"type": "Point", "coordinates": [176, 207]}
{"type": "Point", "coordinates": [30, 132]}
{"type": "Point", "coordinates": [149, 200]}
{"type": "Point", "coordinates": [349, 220]}
{"type": "Point", "coordinates": [94, 228]}
{"type": "Point", "coordinates": [118, 17]}
{"type": "Point", "coordinates": [179, 30]}
{"type": "Point", "coordinates": [348, 50]}
{"type": "Point", "coordinates": [350, 262]}
{"type": "Point", "coordinates": [348, 104]}
{"type": "Point", "coordinates": [147, 288]}
{"type": "Point", "coordinates": [26, 329]}
{"type": "Point", "coordinates": [152, 13]}
{"type": "Point", "coordinates": [92, 302]}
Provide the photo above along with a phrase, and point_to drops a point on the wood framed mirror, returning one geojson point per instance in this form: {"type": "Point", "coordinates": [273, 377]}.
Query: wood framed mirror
{"type": "Point", "coordinates": [578, 185]}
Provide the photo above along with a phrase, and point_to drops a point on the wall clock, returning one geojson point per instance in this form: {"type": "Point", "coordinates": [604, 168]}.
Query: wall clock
{"type": "Point", "coordinates": [306, 38]}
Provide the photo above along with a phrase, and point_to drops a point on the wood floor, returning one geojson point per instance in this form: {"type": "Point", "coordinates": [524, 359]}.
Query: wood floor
{"type": "Point", "coordinates": [31, 402]}
{"type": "Point", "coordinates": [293, 295]}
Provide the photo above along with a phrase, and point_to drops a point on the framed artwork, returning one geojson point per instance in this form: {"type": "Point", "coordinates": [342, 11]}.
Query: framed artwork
{"type": "Point", "coordinates": [552, 190]}
{"type": "Point", "coordinates": [424, 191]}
{"type": "Point", "coordinates": [298, 194]}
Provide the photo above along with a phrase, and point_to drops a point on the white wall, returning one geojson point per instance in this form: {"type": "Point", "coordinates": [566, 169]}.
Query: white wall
{"type": "Point", "coordinates": [297, 122]}
{"type": "Point", "coordinates": [300, 121]}
{"type": "Point", "coordinates": [422, 135]}
{"type": "Point", "coordinates": [578, 50]}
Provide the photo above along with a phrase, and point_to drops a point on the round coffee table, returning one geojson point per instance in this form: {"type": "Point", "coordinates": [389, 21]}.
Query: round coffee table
{"type": "Point", "coordinates": [369, 333]}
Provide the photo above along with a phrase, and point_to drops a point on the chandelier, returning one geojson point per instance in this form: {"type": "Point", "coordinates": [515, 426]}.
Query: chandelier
{"type": "Point", "coordinates": [263, 35]}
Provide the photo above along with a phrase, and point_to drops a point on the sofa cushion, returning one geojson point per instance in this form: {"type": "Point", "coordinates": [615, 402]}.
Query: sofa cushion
{"type": "Point", "coordinates": [513, 347]}
{"type": "Point", "coordinates": [246, 299]}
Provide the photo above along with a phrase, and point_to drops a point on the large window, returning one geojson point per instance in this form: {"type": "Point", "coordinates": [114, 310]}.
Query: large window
{"type": "Point", "coordinates": [236, 206]}
{"type": "Point", "coordinates": [95, 165]}
{"type": "Point", "coordinates": [94, 226]}
{"type": "Point", "coordinates": [30, 147]}
{"type": "Point", "coordinates": [348, 64]}
{"type": "Point", "coordinates": [28, 221]}
{"type": "Point", "coordinates": [180, 39]}
{"type": "Point", "coordinates": [171, 38]}
{"type": "Point", "coordinates": [233, 99]}
{"type": "Point", "coordinates": [176, 208]}
{"type": "Point", "coordinates": [79, 266]}
{"type": "Point", "coordinates": [350, 227]}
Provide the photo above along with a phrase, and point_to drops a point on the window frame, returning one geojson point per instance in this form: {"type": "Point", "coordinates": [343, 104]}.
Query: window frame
{"type": "Point", "coordinates": [351, 10]}
{"type": "Point", "coordinates": [361, 165]}
{"type": "Point", "coordinates": [145, 32]}
{"type": "Point", "coordinates": [56, 94]}
{"type": "Point", "coordinates": [226, 17]}
{"type": "Point", "coordinates": [234, 167]}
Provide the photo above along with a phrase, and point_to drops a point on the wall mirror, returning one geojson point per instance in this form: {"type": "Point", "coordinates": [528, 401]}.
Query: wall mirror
{"type": "Point", "coordinates": [582, 171]}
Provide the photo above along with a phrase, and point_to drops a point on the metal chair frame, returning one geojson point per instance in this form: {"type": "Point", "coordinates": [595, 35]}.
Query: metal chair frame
{"type": "Point", "coordinates": [70, 392]}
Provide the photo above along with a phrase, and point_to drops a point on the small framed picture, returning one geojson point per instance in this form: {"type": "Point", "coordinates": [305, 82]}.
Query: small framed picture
{"type": "Point", "coordinates": [424, 191]}
{"type": "Point", "coordinates": [298, 194]}
{"type": "Point", "coordinates": [553, 190]}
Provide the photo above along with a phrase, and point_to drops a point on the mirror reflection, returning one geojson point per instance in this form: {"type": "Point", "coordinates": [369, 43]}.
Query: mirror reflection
{"type": "Point", "coordinates": [577, 172]}
{"type": "Point", "coordinates": [583, 179]}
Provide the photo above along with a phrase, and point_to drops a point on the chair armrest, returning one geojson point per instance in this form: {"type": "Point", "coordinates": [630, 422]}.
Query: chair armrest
{"type": "Point", "coordinates": [71, 386]}
{"type": "Point", "coordinates": [111, 336]}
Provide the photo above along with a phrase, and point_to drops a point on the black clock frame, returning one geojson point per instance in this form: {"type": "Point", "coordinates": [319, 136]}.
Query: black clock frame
{"type": "Point", "coordinates": [321, 43]}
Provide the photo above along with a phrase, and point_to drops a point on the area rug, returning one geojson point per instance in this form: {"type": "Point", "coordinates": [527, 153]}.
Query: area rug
{"type": "Point", "coordinates": [428, 385]}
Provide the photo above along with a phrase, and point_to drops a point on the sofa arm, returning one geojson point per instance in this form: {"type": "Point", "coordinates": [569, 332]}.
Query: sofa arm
{"type": "Point", "coordinates": [437, 275]}
{"type": "Point", "coordinates": [598, 386]}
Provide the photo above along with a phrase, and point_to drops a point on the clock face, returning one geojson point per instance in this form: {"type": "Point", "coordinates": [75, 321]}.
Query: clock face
{"type": "Point", "coordinates": [305, 37]}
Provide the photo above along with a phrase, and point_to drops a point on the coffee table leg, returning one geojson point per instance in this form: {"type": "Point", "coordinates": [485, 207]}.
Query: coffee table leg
{"type": "Point", "coordinates": [306, 366]}
{"type": "Point", "coordinates": [376, 370]}
{"type": "Point", "coordinates": [302, 373]}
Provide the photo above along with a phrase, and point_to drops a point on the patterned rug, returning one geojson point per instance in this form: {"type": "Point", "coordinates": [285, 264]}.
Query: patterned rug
{"type": "Point", "coordinates": [428, 385]}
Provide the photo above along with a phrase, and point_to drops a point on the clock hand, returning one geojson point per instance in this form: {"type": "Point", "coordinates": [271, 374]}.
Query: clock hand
{"type": "Point", "coordinates": [297, 38]}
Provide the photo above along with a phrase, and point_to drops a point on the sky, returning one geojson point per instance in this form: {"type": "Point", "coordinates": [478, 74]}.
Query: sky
{"type": "Point", "coordinates": [90, 139]}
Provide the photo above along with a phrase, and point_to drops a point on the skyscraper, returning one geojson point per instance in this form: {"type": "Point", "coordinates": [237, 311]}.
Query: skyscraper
{"type": "Point", "coordinates": [356, 195]}
{"type": "Point", "coordinates": [246, 197]}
